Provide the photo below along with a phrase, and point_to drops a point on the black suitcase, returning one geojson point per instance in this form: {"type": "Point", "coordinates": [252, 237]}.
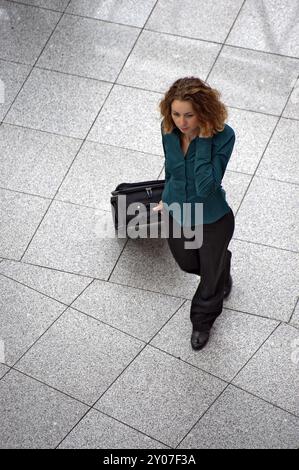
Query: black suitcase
{"type": "Point", "coordinates": [145, 192]}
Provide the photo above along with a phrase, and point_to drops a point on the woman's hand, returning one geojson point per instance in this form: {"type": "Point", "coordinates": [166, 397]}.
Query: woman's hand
{"type": "Point", "coordinates": [206, 133]}
{"type": "Point", "coordinates": [159, 207]}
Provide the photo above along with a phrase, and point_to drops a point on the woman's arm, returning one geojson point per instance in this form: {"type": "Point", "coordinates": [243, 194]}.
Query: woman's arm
{"type": "Point", "coordinates": [167, 174]}
{"type": "Point", "coordinates": [211, 162]}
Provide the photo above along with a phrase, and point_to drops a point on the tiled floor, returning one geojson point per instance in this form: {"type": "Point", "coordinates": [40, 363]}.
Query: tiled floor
{"type": "Point", "coordinates": [95, 333]}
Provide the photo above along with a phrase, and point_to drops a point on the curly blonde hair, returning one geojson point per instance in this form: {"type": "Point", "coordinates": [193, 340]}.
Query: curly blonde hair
{"type": "Point", "coordinates": [205, 100]}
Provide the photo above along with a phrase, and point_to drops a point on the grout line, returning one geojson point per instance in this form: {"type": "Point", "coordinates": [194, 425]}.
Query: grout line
{"type": "Point", "coordinates": [68, 13]}
{"type": "Point", "coordinates": [35, 379]}
{"type": "Point", "coordinates": [55, 321]}
{"type": "Point", "coordinates": [230, 383]}
{"type": "Point", "coordinates": [183, 299]}
{"type": "Point", "coordinates": [293, 312]}
{"type": "Point", "coordinates": [82, 143]}
{"type": "Point", "coordinates": [264, 151]}
{"type": "Point", "coordinates": [36, 6]}
{"type": "Point", "coordinates": [66, 201]}
{"type": "Point", "coordinates": [69, 306]}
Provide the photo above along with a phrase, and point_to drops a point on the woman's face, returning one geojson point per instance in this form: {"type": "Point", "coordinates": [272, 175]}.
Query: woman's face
{"type": "Point", "coordinates": [184, 117]}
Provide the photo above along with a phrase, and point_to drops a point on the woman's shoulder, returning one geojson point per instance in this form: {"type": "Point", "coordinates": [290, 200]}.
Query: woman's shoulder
{"type": "Point", "coordinates": [227, 135]}
{"type": "Point", "coordinates": [227, 132]}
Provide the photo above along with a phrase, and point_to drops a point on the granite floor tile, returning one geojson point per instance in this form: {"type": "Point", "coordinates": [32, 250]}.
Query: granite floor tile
{"type": "Point", "coordinates": [112, 303]}
{"type": "Point", "coordinates": [268, 214]}
{"type": "Point", "coordinates": [20, 215]}
{"type": "Point", "coordinates": [143, 257]}
{"type": "Point", "coordinates": [59, 103]}
{"type": "Point", "coordinates": [99, 168]}
{"type": "Point", "coordinates": [280, 160]}
{"type": "Point", "coordinates": [253, 80]}
{"type": "Point", "coordinates": [58, 5]}
{"type": "Point", "coordinates": [265, 280]}
{"type": "Point", "coordinates": [24, 31]}
{"type": "Point", "coordinates": [295, 317]}
{"type": "Point", "coordinates": [239, 420]}
{"type": "Point", "coordinates": [131, 13]}
{"type": "Point", "coordinates": [3, 370]}
{"type": "Point", "coordinates": [272, 373]}
{"type": "Point", "coordinates": [72, 238]}
{"type": "Point", "coordinates": [267, 26]}
{"type": "Point", "coordinates": [12, 77]}
{"type": "Point", "coordinates": [142, 133]}
{"type": "Point", "coordinates": [208, 20]}
{"type": "Point", "coordinates": [234, 338]}
{"type": "Point", "coordinates": [33, 415]}
{"type": "Point", "coordinates": [292, 108]}
{"type": "Point", "coordinates": [250, 142]}
{"type": "Point", "coordinates": [80, 356]}
{"type": "Point", "coordinates": [34, 161]}
{"type": "Point", "coordinates": [235, 185]}
{"type": "Point", "coordinates": [147, 68]}
{"type": "Point", "coordinates": [97, 431]}
{"type": "Point", "coordinates": [69, 49]}
{"type": "Point", "coordinates": [61, 286]}
{"type": "Point", "coordinates": [25, 315]}
{"type": "Point", "coordinates": [160, 396]}
{"type": "Point", "coordinates": [102, 70]}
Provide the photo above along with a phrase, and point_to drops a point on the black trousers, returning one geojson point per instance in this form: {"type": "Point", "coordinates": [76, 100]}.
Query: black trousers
{"type": "Point", "coordinates": [211, 262]}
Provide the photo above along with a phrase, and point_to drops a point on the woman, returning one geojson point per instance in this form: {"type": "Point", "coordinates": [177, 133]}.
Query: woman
{"type": "Point", "coordinates": [197, 146]}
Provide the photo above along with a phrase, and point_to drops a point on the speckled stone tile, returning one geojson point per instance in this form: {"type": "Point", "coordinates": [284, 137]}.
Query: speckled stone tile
{"type": "Point", "coordinates": [253, 80]}
{"type": "Point", "coordinates": [134, 311]}
{"type": "Point", "coordinates": [149, 264]}
{"type": "Point", "coordinates": [25, 315]}
{"type": "Point", "coordinates": [24, 30]}
{"type": "Point", "coordinates": [34, 415]}
{"type": "Point", "coordinates": [61, 286]}
{"type": "Point", "coordinates": [295, 317]}
{"type": "Point", "coordinates": [132, 13]}
{"type": "Point", "coordinates": [80, 356]}
{"type": "Point", "coordinates": [141, 131]}
{"type": "Point", "coordinates": [267, 26]}
{"type": "Point", "coordinates": [235, 185]}
{"type": "Point", "coordinates": [250, 142]}
{"type": "Point", "coordinates": [72, 238]}
{"type": "Point", "coordinates": [12, 77]}
{"type": "Point", "coordinates": [3, 370]}
{"type": "Point", "coordinates": [20, 215]}
{"type": "Point", "coordinates": [272, 373]}
{"type": "Point", "coordinates": [97, 431]}
{"type": "Point", "coordinates": [280, 160]}
{"type": "Point", "coordinates": [69, 49]}
{"type": "Point", "coordinates": [265, 280]}
{"type": "Point", "coordinates": [268, 214]}
{"type": "Point", "coordinates": [58, 103]}
{"type": "Point", "coordinates": [160, 396]}
{"type": "Point", "coordinates": [34, 161]}
{"type": "Point", "coordinates": [292, 108]}
{"type": "Point", "coordinates": [239, 420]}
{"type": "Point", "coordinates": [234, 338]}
{"type": "Point", "coordinates": [147, 68]}
{"type": "Point", "coordinates": [58, 5]}
{"type": "Point", "coordinates": [99, 168]}
{"type": "Point", "coordinates": [201, 19]}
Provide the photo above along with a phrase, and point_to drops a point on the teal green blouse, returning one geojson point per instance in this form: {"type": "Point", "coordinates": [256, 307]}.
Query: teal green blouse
{"type": "Point", "coordinates": [196, 178]}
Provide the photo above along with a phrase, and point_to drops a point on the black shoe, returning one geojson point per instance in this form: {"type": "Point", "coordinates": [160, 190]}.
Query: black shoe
{"type": "Point", "coordinates": [228, 287]}
{"type": "Point", "coordinates": [199, 339]}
